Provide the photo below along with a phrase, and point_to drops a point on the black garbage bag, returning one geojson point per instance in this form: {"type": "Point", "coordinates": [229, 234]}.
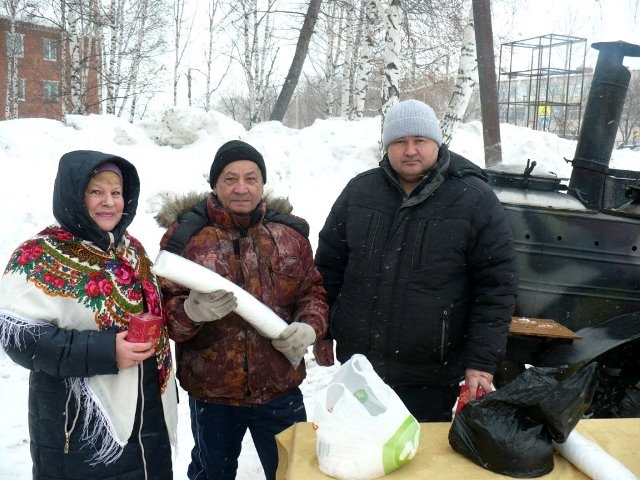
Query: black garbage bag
{"type": "Point", "coordinates": [510, 431]}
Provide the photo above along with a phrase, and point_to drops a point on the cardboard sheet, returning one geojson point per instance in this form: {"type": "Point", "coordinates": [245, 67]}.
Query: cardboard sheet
{"type": "Point", "coordinates": [436, 459]}
{"type": "Point", "coordinates": [540, 327]}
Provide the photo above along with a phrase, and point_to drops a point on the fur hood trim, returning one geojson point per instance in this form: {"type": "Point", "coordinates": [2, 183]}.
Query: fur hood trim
{"type": "Point", "coordinates": [174, 207]}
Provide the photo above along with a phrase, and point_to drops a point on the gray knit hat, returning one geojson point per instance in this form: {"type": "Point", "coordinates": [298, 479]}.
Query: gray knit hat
{"type": "Point", "coordinates": [410, 118]}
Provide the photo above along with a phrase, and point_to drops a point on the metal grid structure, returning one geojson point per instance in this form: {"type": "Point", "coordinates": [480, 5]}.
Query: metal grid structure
{"type": "Point", "coordinates": [541, 83]}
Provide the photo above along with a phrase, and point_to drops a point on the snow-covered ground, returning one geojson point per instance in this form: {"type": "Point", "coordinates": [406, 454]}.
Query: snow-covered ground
{"type": "Point", "coordinates": [173, 154]}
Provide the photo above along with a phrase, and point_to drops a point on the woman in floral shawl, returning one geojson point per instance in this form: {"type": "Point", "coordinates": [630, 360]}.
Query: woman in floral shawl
{"type": "Point", "coordinates": [100, 407]}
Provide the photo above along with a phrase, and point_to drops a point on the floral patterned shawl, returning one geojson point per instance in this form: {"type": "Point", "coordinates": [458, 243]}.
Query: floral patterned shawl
{"type": "Point", "coordinates": [63, 280]}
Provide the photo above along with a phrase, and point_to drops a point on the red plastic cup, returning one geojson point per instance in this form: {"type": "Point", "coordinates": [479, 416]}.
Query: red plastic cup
{"type": "Point", "coordinates": [144, 327]}
{"type": "Point", "coordinates": [464, 397]}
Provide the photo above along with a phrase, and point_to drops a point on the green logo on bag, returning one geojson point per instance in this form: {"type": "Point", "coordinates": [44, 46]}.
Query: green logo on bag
{"type": "Point", "coordinates": [361, 395]}
{"type": "Point", "coordinates": [402, 446]}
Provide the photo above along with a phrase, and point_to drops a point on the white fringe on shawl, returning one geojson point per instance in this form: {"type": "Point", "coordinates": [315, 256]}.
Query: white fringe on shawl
{"type": "Point", "coordinates": [97, 430]}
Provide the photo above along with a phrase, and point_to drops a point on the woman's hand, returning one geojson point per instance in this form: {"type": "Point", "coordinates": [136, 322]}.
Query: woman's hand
{"type": "Point", "coordinates": [129, 354]}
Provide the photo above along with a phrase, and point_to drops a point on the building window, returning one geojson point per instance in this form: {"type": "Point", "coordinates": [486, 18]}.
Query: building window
{"type": "Point", "coordinates": [50, 49]}
{"type": "Point", "coordinates": [15, 44]}
{"type": "Point", "coordinates": [50, 91]}
{"type": "Point", "coordinates": [21, 88]}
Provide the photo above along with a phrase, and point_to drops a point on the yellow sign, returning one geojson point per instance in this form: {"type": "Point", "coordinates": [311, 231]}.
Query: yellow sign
{"type": "Point", "coordinates": [544, 111]}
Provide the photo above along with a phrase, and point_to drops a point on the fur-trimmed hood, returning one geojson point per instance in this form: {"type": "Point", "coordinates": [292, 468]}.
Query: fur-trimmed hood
{"type": "Point", "coordinates": [173, 208]}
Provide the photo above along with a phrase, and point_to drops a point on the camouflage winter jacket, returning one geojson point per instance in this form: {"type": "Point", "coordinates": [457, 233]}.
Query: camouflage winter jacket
{"type": "Point", "coordinates": [227, 361]}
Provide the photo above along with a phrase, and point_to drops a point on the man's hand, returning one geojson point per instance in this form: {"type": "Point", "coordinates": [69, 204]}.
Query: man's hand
{"type": "Point", "coordinates": [323, 351]}
{"type": "Point", "coordinates": [294, 341]}
{"type": "Point", "coordinates": [477, 378]}
{"type": "Point", "coordinates": [207, 307]}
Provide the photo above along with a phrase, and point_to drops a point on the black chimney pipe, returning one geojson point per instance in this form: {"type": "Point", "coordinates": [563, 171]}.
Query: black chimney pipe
{"type": "Point", "coordinates": [600, 125]}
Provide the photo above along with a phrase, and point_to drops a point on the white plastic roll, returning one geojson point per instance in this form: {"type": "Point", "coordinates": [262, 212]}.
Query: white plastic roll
{"type": "Point", "coordinates": [196, 277]}
{"type": "Point", "coordinates": [591, 459]}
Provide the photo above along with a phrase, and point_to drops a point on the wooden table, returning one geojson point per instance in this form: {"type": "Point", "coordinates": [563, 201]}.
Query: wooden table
{"type": "Point", "coordinates": [436, 460]}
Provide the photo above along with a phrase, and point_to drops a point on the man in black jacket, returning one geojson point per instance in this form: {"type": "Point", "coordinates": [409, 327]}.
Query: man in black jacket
{"type": "Point", "coordinates": [418, 262]}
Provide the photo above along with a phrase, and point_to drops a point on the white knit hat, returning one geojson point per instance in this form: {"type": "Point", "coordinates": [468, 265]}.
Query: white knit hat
{"type": "Point", "coordinates": [410, 118]}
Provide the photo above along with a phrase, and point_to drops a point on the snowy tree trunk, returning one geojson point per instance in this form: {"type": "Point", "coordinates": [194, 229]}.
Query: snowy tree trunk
{"type": "Point", "coordinates": [15, 49]}
{"type": "Point", "coordinates": [258, 55]}
{"type": "Point", "coordinates": [333, 25]}
{"type": "Point", "coordinates": [248, 28]}
{"type": "Point", "coordinates": [487, 82]}
{"type": "Point", "coordinates": [302, 47]}
{"type": "Point", "coordinates": [346, 90]}
{"type": "Point", "coordinates": [213, 7]}
{"type": "Point", "coordinates": [365, 65]}
{"type": "Point", "coordinates": [64, 39]}
{"type": "Point", "coordinates": [393, 25]}
{"type": "Point", "coordinates": [110, 59]}
{"type": "Point", "coordinates": [85, 55]}
{"type": "Point", "coordinates": [75, 81]}
{"type": "Point", "coordinates": [178, 14]}
{"type": "Point", "coordinates": [137, 57]}
{"type": "Point", "coordinates": [11, 104]}
{"type": "Point", "coordinates": [263, 71]}
{"type": "Point", "coordinates": [97, 35]}
{"type": "Point", "coordinates": [465, 84]}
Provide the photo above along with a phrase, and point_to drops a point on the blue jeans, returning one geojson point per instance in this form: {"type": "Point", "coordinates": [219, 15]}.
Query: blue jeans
{"type": "Point", "coordinates": [218, 431]}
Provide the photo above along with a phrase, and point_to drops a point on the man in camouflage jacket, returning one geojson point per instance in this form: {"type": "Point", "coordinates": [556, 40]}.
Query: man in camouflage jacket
{"type": "Point", "coordinates": [237, 379]}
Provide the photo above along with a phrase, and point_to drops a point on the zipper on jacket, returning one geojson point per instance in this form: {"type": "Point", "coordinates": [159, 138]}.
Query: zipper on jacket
{"type": "Point", "coordinates": [69, 431]}
{"type": "Point", "coordinates": [444, 334]}
{"type": "Point", "coordinates": [270, 268]}
{"type": "Point", "coordinates": [141, 393]}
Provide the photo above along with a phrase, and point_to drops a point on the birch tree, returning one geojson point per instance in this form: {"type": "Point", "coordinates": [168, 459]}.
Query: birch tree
{"type": "Point", "coordinates": [347, 63]}
{"type": "Point", "coordinates": [393, 26]}
{"type": "Point", "coordinates": [132, 84]}
{"type": "Point", "coordinates": [333, 25]}
{"type": "Point", "coordinates": [15, 51]}
{"type": "Point", "coordinates": [64, 61]}
{"type": "Point", "coordinates": [212, 8]}
{"type": "Point", "coordinates": [629, 125]}
{"type": "Point", "coordinates": [131, 34]}
{"type": "Point", "coordinates": [257, 53]}
{"type": "Point", "coordinates": [466, 82]}
{"type": "Point", "coordinates": [75, 74]}
{"type": "Point", "coordinates": [365, 64]}
{"type": "Point", "coordinates": [111, 61]}
{"type": "Point", "coordinates": [179, 46]}
{"type": "Point", "coordinates": [79, 39]}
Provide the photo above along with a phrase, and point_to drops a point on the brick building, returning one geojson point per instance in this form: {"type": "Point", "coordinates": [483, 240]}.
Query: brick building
{"type": "Point", "coordinates": [40, 89]}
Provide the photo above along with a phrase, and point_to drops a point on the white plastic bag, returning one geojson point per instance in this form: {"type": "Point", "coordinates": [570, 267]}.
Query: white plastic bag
{"type": "Point", "coordinates": [363, 430]}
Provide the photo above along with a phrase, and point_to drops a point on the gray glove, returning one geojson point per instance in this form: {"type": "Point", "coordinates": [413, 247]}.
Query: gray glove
{"type": "Point", "coordinates": [294, 340]}
{"type": "Point", "coordinates": [207, 307]}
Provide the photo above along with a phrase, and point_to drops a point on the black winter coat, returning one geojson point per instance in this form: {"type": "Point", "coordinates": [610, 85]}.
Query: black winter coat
{"type": "Point", "coordinates": [423, 286]}
{"type": "Point", "coordinates": [55, 356]}
{"type": "Point", "coordinates": [85, 353]}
